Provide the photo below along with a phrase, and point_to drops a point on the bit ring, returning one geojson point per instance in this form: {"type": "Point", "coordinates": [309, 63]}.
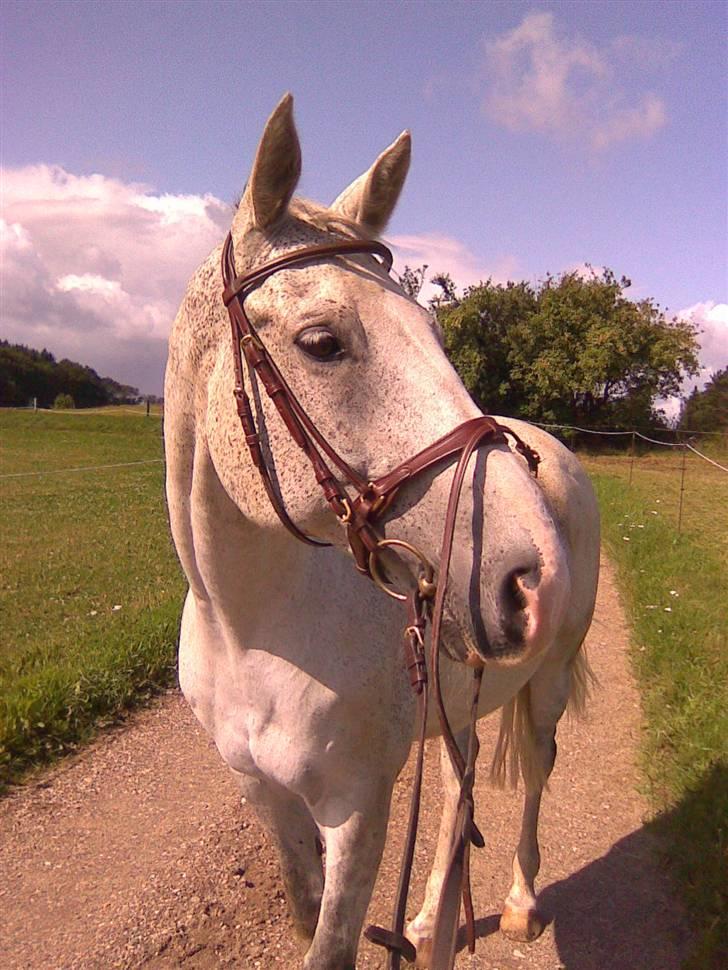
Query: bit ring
{"type": "Point", "coordinates": [388, 588]}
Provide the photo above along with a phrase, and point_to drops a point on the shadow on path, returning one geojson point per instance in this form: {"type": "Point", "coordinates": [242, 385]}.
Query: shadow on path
{"type": "Point", "coordinates": [610, 914]}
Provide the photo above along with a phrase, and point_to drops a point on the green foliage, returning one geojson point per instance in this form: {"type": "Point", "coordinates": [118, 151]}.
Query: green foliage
{"type": "Point", "coordinates": [573, 349]}
{"type": "Point", "coordinates": [26, 374]}
{"type": "Point", "coordinates": [707, 410]}
{"type": "Point", "coordinates": [411, 280]}
{"type": "Point", "coordinates": [478, 340]}
{"type": "Point", "coordinates": [447, 296]}
{"type": "Point", "coordinates": [63, 402]}
{"type": "Point", "coordinates": [676, 593]}
{"type": "Point", "coordinates": [90, 589]}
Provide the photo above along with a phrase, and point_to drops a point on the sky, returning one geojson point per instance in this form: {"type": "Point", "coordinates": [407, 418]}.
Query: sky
{"type": "Point", "coordinates": [546, 136]}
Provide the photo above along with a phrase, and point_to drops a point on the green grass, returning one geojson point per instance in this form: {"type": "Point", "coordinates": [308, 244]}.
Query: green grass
{"type": "Point", "coordinates": [90, 596]}
{"type": "Point", "coordinates": [90, 590]}
{"type": "Point", "coordinates": [676, 590]}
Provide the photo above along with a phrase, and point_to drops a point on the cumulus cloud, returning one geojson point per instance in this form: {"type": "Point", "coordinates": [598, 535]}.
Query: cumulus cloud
{"type": "Point", "coordinates": [712, 322]}
{"type": "Point", "coordinates": [538, 78]}
{"type": "Point", "coordinates": [94, 268]}
{"type": "Point", "coordinates": [445, 254]}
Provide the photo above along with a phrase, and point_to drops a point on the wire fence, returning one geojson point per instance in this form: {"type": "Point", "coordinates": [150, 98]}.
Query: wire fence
{"type": "Point", "coordinates": [641, 453]}
{"type": "Point", "coordinates": [626, 452]}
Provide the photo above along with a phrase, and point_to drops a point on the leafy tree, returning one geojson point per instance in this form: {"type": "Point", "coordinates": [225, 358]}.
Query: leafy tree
{"type": "Point", "coordinates": [26, 374]}
{"type": "Point", "coordinates": [572, 349]}
{"type": "Point", "coordinates": [447, 298]}
{"type": "Point", "coordinates": [707, 410]}
{"type": "Point", "coordinates": [64, 402]}
{"type": "Point", "coordinates": [412, 280]}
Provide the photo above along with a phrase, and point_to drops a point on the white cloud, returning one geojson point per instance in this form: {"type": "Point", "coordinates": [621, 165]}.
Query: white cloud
{"type": "Point", "coordinates": [538, 78]}
{"type": "Point", "coordinates": [94, 268]}
{"type": "Point", "coordinates": [712, 322]}
{"type": "Point", "coordinates": [89, 283]}
{"type": "Point", "coordinates": [445, 254]}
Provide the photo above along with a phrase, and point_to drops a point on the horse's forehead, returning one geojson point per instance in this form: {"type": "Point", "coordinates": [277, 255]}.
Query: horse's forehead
{"type": "Point", "coordinates": [329, 285]}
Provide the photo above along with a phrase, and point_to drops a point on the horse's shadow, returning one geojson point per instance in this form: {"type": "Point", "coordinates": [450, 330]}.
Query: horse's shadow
{"type": "Point", "coordinates": [617, 912]}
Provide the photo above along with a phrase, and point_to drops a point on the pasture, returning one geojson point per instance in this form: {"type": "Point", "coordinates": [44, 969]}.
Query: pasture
{"type": "Point", "coordinates": [91, 593]}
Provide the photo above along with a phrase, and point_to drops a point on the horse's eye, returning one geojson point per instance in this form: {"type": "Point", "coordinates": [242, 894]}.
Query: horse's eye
{"type": "Point", "coordinates": [320, 343]}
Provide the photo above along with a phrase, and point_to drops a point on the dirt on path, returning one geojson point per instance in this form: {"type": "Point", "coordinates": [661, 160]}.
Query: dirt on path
{"type": "Point", "coordinates": [138, 853]}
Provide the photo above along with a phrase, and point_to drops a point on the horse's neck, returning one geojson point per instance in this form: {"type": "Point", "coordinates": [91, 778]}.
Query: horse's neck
{"type": "Point", "coordinates": [273, 593]}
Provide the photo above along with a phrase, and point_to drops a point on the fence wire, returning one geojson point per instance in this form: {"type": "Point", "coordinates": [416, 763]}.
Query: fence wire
{"type": "Point", "coordinates": [647, 462]}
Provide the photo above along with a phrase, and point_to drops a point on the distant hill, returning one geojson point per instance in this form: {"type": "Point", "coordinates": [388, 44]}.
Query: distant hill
{"type": "Point", "coordinates": [26, 374]}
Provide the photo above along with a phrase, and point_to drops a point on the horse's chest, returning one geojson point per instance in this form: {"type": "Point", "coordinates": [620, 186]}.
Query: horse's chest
{"type": "Point", "coordinates": [270, 718]}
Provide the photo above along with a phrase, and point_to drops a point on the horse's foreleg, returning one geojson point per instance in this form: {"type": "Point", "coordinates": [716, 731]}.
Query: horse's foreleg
{"type": "Point", "coordinates": [354, 827]}
{"type": "Point", "coordinates": [420, 930]}
{"type": "Point", "coordinates": [289, 823]}
{"type": "Point", "coordinates": [544, 699]}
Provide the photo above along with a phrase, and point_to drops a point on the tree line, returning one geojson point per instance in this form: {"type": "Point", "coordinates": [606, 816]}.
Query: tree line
{"type": "Point", "coordinates": [571, 349]}
{"type": "Point", "coordinates": [27, 375]}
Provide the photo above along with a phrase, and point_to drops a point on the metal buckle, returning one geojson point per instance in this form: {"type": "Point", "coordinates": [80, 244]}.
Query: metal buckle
{"type": "Point", "coordinates": [254, 339]}
{"type": "Point", "coordinates": [374, 567]}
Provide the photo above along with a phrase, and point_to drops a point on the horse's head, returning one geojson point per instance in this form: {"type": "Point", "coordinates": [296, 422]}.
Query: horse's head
{"type": "Point", "coordinates": [367, 364]}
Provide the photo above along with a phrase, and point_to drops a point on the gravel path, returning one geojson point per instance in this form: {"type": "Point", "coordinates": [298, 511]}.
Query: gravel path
{"type": "Point", "coordinates": [137, 852]}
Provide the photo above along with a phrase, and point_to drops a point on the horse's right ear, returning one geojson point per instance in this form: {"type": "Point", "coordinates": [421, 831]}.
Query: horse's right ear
{"type": "Point", "coordinates": [276, 170]}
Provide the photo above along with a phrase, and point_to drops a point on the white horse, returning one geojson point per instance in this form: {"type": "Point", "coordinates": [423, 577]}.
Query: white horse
{"type": "Point", "coordinates": [292, 660]}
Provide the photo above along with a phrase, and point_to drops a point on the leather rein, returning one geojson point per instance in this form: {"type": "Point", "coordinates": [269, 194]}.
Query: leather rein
{"type": "Point", "coordinates": [359, 514]}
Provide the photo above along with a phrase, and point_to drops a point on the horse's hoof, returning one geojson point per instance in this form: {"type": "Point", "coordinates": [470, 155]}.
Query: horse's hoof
{"type": "Point", "coordinates": [422, 944]}
{"type": "Point", "coordinates": [523, 925]}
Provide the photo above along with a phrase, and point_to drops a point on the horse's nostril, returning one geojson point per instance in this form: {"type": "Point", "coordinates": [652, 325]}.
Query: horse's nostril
{"type": "Point", "coordinates": [514, 604]}
{"type": "Point", "coordinates": [514, 599]}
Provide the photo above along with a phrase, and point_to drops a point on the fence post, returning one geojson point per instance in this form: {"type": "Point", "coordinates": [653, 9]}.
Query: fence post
{"type": "Point", "coordinates": [682, 484]}
{"type": "Point", "coordinates": [631, 458]}
{"type": "Point", "coordinates": [147, 407]}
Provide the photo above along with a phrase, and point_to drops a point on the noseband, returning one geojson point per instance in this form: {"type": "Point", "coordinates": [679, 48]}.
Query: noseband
{"type": "Point", "coordinates": [359, 506]}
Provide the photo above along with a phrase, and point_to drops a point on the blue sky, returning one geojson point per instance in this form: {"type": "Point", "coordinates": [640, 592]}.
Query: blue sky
{"type": "Point", "coordinates": [545, 136]}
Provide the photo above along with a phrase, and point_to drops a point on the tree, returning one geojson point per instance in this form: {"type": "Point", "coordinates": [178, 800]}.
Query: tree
{"type": "Point", "coordinates": [707, 410]}
{"type": "Point", "coordinates": [26, 374]}
{"type": "Point", "coordinates": [63, 402]}
{"type": "Point", "coordinates": [412, 280]}
{"type": "Point", "coordinates": [447, 298]}
{"type": "Point", "coordinates": [477, 333]}
{"type": "Point", "coordinates": [572, 349]}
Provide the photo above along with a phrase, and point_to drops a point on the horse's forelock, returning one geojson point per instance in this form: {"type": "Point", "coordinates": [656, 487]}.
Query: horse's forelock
{"type": "Point", "coordinates": [305, 223]}
{"type": "Point", "coordinates": [327, 220]}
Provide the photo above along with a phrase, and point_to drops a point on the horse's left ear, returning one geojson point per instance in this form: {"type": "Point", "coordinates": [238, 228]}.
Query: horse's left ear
{"type": "Point", "coordinates": [371, 199]}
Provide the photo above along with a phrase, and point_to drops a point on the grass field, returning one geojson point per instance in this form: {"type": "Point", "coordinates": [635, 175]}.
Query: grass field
{"type": "Point", "coordinates": [90, 596]}
{"type": "Point", "coordinates": [676, 590]}
{"type": "Point", "coordinates": [91, 591]}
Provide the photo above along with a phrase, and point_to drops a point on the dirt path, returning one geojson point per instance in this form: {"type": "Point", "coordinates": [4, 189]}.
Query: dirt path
{"type": "Point", "coordinates": [137, 852]}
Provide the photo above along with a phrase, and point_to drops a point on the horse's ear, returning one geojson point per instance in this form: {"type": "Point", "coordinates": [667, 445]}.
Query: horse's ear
{"type": "Point", "coordinates": [371, 199]}
{"type": "Point", "coordinates": [276, 170]}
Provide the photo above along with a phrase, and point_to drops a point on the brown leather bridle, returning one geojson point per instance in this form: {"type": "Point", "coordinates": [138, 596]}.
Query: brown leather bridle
{"type": "Point", "coordinates": [360, 514]}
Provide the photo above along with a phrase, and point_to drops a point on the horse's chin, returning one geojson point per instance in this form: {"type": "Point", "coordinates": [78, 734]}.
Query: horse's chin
{"type": "Point", "coordinates": [462, 646]}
